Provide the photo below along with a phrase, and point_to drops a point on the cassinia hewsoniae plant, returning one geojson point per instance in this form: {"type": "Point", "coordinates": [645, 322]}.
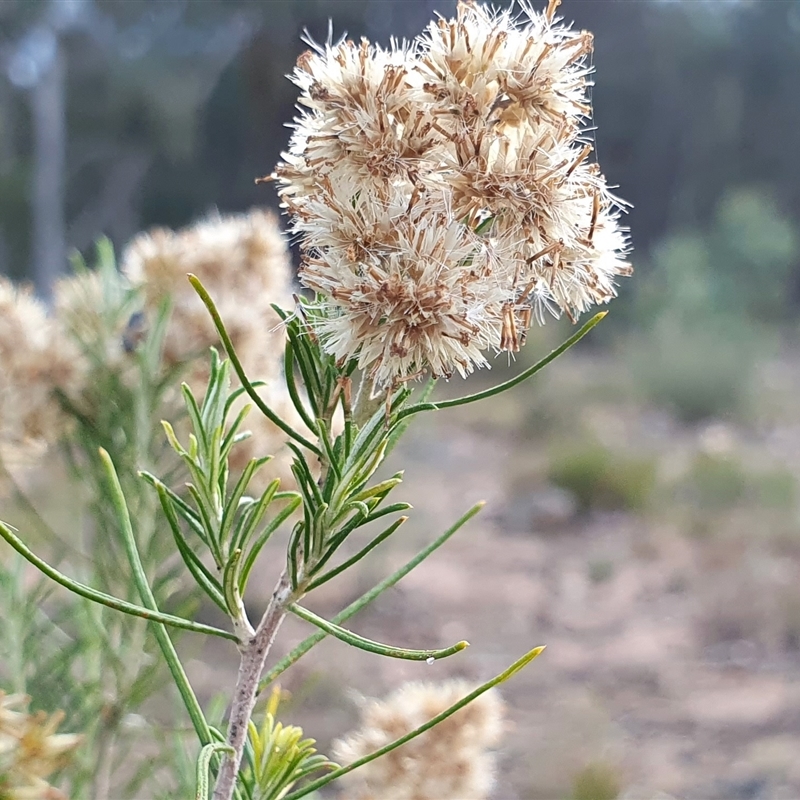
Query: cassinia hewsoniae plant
{"type": "Point", "coordinates": [444, 198]}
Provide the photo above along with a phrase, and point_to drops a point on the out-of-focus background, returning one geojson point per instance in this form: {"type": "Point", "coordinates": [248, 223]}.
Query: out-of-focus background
{"type": "Point", "coordinates": [643, 514]}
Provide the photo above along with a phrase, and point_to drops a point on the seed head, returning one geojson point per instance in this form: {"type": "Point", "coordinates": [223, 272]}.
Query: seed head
{"type": "Point", "coordinates": [36, 359]}
{"type": "Point", "coordinates": [99, 312]}
{"type": "Point", "coordinates": [241, 260]}
{"type": "Point", "coordinates": [444, 193]}
{"type": "Point", "coordinates": [451, 761]}
{"type": "Point", "coordinates": [30, 750]}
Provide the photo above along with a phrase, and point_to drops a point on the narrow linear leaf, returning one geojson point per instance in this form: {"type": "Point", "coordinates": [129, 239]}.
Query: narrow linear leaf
{"type": "Point", "coordinates": [172, 438]}
{"type": "Point", "coordinates": [146, 594]}
{"type": "Point", "coordinates": [323, 435]}
{"type": "Point", "coordinates": [233, 436]}
{"type": "Point", "coordinates": [195, 415]}
{"type": "Point", "coordinates": [207, 582]}
{"type": "Point", "coordinates": [305, 478]}
{"type": "Point", "coordinates": [366, 598]}
{"type": "Point", "coordinates": [379, 489]}
{"type": "Point", "coordinates": [182, 508]}
{"type": "Point", "coordinates": [381, 537]}
{"type": "Point", "coordinates": [205, 509]}
{"type": "Point", "coordinates": [392, 509]}
{"type": "Point", "coordinates": [204, 764]}
{"type": "Point", "coordinates": [106, 599]}
{"type": "Point", "coordinates": [235, 394]}
{"type": "Point", "coordinates": [291, 385]}
{"type": "Point", "coordinates": [399, 429]}
{"type": "Point", "coordinates": [232, 503]}
{"type": "Point", "coordinates": [213, 470]}
{"type": "Point", "coordinates": [254, 514]}
{"type": "Point", "coordinates": [357, 521]}
{"type": "Point", "coordinates": [362, 512]}
{"type": "Point", "coordinates": [509, 384]}
{"type": "Point", "coordinates": [307, 359]}
{"type": "Point", "coordinates": [353, 481]}
{"type": "Point", "coordinates": [274, 524]}
{"type": "Point", "coordinates": [448, 712]}
{"type": "Point", "coordinates": [364, 440]}
{"type": "Point", "coordinates": [237, 365]}
{"type": "Point", "coordinates": [230, 585]}
{"type": "Point", "coordinates": [374, 647]}
{"type": "Point", "coordinates": [293, 553]}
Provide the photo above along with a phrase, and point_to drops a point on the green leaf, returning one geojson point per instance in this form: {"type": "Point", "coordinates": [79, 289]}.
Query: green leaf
{"type": "Point", "coordinates": [509, 384]}
{"type": "Point", "coordinates": [146, 594]}
{"type": "Point", "coordinates": [252, 555]}
{"type": "Point", "coordinates": [333, 462]}
{"type": "Point", "coordinates": [251, 514]}
{"type": "Point", "coordinates": [357, 557]}
{"type": "Point", "coordinates": [308, 360]}
{"type": "Point", "coordinates": [106, 599]}
{"type": "Point", "coordinates": [366, 598]}
{"type": "Point", "coordinates": [399, 429]}
{"type": "Point", "coordinates": [230, 586]}
{"type": "Point", "coordinates": [291, 385]}
{"type": "Point", "coordinates": [204, 765]}
{"type": "Point", "coordinates": [207, 582]}
{"type": "Point", "coordinates": [172, 438]}
{"type": "Point", "coordinates": [182, 508]}
{"type": "Point", "coordinates": [232, 436]}
{"type": "Point", "coordinates": [237, 365]}
{"type": "Point", "coordinates": [195, 416]}
{"type": "Point", "coordinates": [374, 647]}
{"type": "Point", "coordinates": [501, 678]}
{"type": "Point", "coordinates": [379, 489]}
{"type": "Point", "coordinates": [233, 501]}
{"type": "Point", "coordinates": [205, 514]}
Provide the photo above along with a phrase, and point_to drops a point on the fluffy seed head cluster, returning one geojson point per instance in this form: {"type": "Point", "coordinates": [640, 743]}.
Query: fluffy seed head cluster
{"type": "Point", "coordinates": [242, 261]}
{"type": "Point", "coordinates": [443, 190]}
{"type": "Point", "coordinates": [452, 761]}
{"type": "Point", "coordinates": [93, 311]}
{"type": "Point", "coordinates": [35, 359]}
{"type": "Point", "coordinates": [30, 750]}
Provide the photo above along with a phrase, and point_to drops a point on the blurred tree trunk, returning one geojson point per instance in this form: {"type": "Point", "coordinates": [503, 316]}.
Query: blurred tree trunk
{"type": "Point", "coordinates": [49, 153]}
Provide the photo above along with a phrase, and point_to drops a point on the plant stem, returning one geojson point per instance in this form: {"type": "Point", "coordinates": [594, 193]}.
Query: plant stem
{"type": "Point", "coordinates": [254, 656]}
{"type": "Point", "coordinates": [101, 782]}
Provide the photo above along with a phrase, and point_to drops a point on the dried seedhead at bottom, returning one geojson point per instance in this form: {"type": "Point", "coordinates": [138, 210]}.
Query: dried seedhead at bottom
{"type": "Point", "coordinates": [452, 761]}
{"type": "Point", "coordinates": [30, 750]}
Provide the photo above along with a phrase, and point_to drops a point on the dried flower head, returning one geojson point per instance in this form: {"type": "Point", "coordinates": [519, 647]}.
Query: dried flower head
{"type": "Point", "coordinates": [96, 313]}
{"type": "Point", "coordinates": [242, 260]}
{"type": "Point", "coordinates": [451, 761]}
{"type": "Point", "coordinates": [35, 360]}
{"type": "Point", "coordinates": [443, 191]}
{"type": "Point", "coordinates": [30, 750]}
